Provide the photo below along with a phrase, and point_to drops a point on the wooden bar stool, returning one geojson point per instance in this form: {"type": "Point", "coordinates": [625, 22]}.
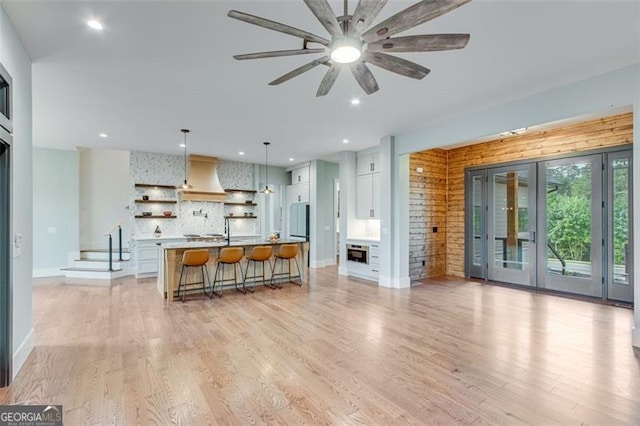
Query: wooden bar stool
{"type": "Point", "coordinates": [194, 259]}
{"type": "Point", "coordinates": [229, 256]}
{"type": "Point", "coordinates": [258, 254]}
{"type": "Point", "coordinates": [286, 252]}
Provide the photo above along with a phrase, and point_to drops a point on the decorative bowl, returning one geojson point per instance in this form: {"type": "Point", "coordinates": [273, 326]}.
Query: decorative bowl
{"type": "Point", "coordinates": [167, 213]}
{"type": "Point", "coordinates": [146, 213]}
{"type": "Point", "coordinates": [230, 214]}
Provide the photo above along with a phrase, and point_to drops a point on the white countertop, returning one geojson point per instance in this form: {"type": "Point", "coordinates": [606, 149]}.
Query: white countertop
{"type": "Point", "coordinates": [239, 243]}
{"type": "Point", "coordinates": [366, 239]}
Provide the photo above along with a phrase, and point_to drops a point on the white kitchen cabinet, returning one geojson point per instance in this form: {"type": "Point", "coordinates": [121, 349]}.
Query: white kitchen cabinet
{"type": "Point", "coordinates": [146, 255]}
{"type": "Point", "coordinates": [298, 193]}
{"type": "Point", "coordinates": [300, 175]}
{"type": "Point", "coordinates": [371, 269]}
{"type": "Point", "coordinates": [368, 196]}
{"type": "Point", "coordinates": [368, 163]}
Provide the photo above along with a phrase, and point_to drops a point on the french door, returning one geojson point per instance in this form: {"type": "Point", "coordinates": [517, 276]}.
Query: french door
{"type": "Point", "coordinates": [571, 225]}
{"type": "Point", "coordinates": [562, 224]}
{"type": "Point", "coordinates": [619, 230]}
{"type": "Point", "coordinates": [511, 224]}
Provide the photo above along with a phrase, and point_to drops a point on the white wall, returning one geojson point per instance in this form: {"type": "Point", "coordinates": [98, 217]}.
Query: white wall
{"type": "Point", "coordinates": [56, 210]}
{"type": "Point", "coordinates": [612, 90]}
{"type": "Point", "coordinates": [322, 221]}
{"type": "Point", "coordinates": [348, 198]}
{"type": "Point", "coordinates": [104, 195]}
{"type": "Point", "coordinates": [15, 59]}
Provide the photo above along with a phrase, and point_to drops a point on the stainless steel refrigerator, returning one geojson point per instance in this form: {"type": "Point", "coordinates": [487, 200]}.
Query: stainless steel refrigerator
{"type": "Point", "coordinates": [299, 220]}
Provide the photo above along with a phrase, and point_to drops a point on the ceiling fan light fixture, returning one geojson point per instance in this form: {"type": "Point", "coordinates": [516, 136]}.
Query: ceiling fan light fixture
{"type": "Point", "coordinates": [346, 50]}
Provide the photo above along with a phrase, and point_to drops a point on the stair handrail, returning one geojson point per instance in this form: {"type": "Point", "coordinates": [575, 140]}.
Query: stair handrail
{"type": "Point", "coordinates": [118, 226]}
{"type": "Point", "coordinates": [114, 227]}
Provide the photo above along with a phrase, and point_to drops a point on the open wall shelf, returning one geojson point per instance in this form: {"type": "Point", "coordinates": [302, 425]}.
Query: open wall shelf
{"type": "Point", "coordinates": [153, 185]}
{"type": "Point", "coordinates": [156, 201]}
{"type": "Point", "coordinates": [250, 191]}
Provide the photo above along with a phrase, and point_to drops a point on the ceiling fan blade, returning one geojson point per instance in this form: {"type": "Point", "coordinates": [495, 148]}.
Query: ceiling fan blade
{"type": "Point", "coordinates": [322, 10]}
{"type": "Point", "coordinates": [364, 77]}
{"type": "Point", "coordinates": [397, 65]}
{"type": "Point", "coordinates": [327, 81]}
{"type": "Point", "coordinates": [299, 70]}
{"type": "Point", "coordinates": [277, 26]}
{"type": "Point", "coordinates": [366, 11]}
{"type": "Point", "coordinates": [410, 17]}
{"type": "Point", "coordinates": [277, 53]}
{"type": "Point", "coordinates": [420, 43]}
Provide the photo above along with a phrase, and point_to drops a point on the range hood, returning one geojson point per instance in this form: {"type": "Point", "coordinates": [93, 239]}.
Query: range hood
{"type": "Point", "coordinates": [203, 177]}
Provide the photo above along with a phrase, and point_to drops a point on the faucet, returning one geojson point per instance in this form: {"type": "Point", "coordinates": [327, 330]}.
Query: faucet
{"type": "Point", "coordinates": [227, 230]}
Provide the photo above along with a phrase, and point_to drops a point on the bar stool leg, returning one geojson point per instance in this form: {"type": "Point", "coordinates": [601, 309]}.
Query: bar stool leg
{"type": "Point", "coordinates": [295, 259]}
{"type": "Point", "coordinates": [215, 279]}
{"type": "Point", "coordinates": [180, 285]}
{"type": "Point", "coordinates": [235, 279]}
{"type": "Point", "coordinates": [273, 269]}
{"type": "Point", "coordinates": [252, 290]}
{"type": "Point", "coordinates": [205, 273]}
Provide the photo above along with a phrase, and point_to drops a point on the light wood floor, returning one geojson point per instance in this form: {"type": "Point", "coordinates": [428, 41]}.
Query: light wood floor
{"type": "Point", "coordinates": [335, 351]}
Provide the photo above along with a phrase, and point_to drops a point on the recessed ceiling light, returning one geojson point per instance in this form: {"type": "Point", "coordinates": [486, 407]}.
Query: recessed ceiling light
{"type": "Point", "coordinates": [182, 145]}
{"type": "Point", "coordinates": [96, 25]}
{"type": "Point", "coordinates": [345, 140]}
{"type": "Point", "coordinates": [355, 101]}
{"type": "Point", "coordinates": [241, 153]}
{"type": "Point", "coordinates": [291, 159]}
{"type": "Point", "coordinates": [103, 135]}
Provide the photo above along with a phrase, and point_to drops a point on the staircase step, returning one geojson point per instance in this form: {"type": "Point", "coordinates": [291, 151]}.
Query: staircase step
{"type": "Point", "coordinates": [89, 269]}
{"type": "Point", "coordinates": [98, 263]}
{"type": "Point", "coordinates": [103, 255]}
{"type": "Point", "coordinates": [93, 273]}
{"type": "Point", "coordinates": [115, 250]}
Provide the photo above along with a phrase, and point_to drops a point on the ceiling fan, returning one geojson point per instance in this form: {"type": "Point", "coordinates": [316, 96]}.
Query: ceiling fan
{"type": "Point", "coordinates": [354, 42]}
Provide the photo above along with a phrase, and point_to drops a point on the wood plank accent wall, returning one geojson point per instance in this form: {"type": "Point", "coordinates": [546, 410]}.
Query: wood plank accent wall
{"type": "Point", "coordinates": [428, 209]}
{"type": "Point", "coordinates": [426, 191]}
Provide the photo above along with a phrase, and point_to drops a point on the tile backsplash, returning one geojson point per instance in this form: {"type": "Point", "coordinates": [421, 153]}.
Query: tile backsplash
{"type": "Point", "coordinates": [165, 169]}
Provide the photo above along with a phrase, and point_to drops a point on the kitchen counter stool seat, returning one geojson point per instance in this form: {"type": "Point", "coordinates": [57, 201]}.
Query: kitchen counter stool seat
{"type": "Point", "coordinates": [229, 256]}
{"type": "Point", "coordinates": [194, 259]}
{"type": "Point", "coordinates": [259, 254]}
{"type": "Point", "coordinates": [286, 252]}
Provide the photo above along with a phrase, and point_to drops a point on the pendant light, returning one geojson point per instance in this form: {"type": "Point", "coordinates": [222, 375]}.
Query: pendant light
{"type": "Point", "coordinates": [185, 185]}
{"type": "Point", "coordinates": [266, 189]}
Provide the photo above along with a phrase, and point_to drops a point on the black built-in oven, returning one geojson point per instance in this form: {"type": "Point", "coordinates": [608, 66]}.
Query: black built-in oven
{"type": "Point", "coordinates": [358, 253]}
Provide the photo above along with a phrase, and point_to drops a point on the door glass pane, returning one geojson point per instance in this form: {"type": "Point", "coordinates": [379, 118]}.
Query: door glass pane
{"type": "Point", "coordinates": [4, 97]}
{"type": "Point", "coordinates": [620, 176]}
{"type": "Point", "coordinates": [569, 219]}
{"type": "Point", "coordinates": [511, 246]}
{"type": "Point", "coordinates": [476, 195]}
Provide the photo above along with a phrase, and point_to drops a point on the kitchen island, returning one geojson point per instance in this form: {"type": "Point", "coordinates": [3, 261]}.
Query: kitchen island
{"type": "Point", "coordinates": [170, 256]}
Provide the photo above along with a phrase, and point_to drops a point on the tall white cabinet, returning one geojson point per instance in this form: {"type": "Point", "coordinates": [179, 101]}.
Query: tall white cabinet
{"type": "Point", "coordinates": [368, 186]}
{"type": "Point", "coordinates": [298, 191]}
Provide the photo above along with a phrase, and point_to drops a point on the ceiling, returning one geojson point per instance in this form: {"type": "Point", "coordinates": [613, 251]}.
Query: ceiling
{"type": "Point", "coordinates": [160, 66]}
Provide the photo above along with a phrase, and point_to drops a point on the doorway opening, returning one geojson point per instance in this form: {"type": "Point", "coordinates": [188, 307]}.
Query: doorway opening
{"type": "Point", "coordinates": [5, 263]}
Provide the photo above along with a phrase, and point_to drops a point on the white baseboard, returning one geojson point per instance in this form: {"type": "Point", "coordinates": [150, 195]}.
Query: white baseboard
{"type": "Point", "coordinates": [635, 336]}
{"type": "Point", "coordinates": [322, 263]}
{"type": "Point", "coordinates": [342, 270]}
{"type": "Point", "coordinates": [22, 352]}
{"type": "Point", "coordinates": [390, 282]}
{"type": "Point", "coordinates": [47, 272]}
